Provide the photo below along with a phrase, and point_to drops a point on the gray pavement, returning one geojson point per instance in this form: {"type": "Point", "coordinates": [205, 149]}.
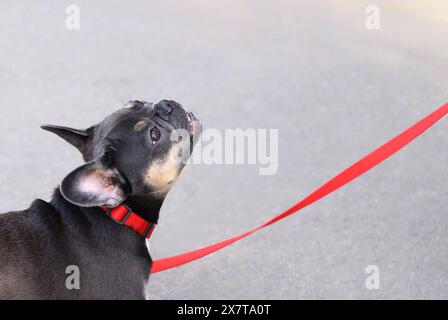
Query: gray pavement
{"type": "Point", "coordinates": [335, 91]}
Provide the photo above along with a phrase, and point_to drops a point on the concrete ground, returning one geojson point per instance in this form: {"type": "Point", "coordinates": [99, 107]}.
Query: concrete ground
{"type": "Point", "coordinates": [334, 89]}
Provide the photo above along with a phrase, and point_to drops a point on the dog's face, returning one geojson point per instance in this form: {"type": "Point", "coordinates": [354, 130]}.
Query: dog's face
{"type": "Point", "coordinates": [139, 150]}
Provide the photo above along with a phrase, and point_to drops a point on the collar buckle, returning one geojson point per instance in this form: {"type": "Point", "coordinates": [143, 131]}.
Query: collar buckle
{"type": "Point", "coordinates": [124, 219]}
{"type": "Point", "coordinates": [123, 215]}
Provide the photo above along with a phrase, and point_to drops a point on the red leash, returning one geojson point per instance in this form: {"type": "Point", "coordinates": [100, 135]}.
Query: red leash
{"type": "Point", "coordinates": [349, 174]}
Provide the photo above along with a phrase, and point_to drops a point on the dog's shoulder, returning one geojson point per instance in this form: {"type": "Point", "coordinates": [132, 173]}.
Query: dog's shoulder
{"type": "Point", "coordinates": [22, 235]}
{"type": "Point", "coordinates": [20, 228]}
{"type": "Point", "coordinates": [39, 213]}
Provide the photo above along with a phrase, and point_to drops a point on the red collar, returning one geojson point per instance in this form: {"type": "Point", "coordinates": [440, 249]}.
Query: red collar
{"type": "Point", "coordinates": [124, 215]}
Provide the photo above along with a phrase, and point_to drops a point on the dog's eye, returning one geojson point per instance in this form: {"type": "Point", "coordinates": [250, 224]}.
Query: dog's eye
{"type": "Point", "coordinates": [155, 134]}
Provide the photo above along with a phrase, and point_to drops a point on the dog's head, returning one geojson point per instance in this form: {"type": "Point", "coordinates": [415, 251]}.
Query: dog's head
{"type": "Point", "coordinates": [139, 150]}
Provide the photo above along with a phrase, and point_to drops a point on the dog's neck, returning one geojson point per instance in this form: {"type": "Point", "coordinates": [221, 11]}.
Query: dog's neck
{"type": "Point", "coordinates": [147, 207]}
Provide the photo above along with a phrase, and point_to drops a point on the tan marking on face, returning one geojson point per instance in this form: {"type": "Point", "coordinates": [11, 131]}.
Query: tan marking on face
{"type": "Point", "coordinates": [162, 174]}
{"type": "Point", "coordinates": [140, 125]}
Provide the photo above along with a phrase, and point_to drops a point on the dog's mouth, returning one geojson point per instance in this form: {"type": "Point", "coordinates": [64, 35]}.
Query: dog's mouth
{"type": "Point", "coordinates": [194, 128]}
{"type": "Point", "coordinates": [190, 116]}
{"type": "Point", "coordinates": [193, 124]}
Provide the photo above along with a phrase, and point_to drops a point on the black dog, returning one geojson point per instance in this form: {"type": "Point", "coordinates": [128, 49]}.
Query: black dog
{"type": "Point", "coordinates": [129, 166]}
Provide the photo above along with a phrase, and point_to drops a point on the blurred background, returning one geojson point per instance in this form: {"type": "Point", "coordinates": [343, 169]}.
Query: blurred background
{"type": "Point", "coordinates": [334, 89]}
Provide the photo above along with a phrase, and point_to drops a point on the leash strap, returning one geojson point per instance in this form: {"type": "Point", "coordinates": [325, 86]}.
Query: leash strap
{"type": "Point", "coordinates": [346, 176]}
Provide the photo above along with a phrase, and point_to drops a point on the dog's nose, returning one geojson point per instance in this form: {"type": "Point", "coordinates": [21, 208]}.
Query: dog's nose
{"type": "Point", "coordinates": [165, 107]}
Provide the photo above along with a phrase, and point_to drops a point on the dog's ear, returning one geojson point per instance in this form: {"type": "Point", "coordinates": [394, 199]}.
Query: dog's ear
{"type": "Point", "coordinates": [79, 138]}
{"type": "Point", "coordinates": [97, 183]}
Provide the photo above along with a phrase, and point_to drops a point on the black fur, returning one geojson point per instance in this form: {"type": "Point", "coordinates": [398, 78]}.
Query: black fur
{"type": "Point", "coordinates": [38, 244]}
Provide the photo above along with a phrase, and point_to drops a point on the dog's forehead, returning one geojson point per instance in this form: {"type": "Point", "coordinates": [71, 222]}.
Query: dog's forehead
{"type": "Point", "coordinates": [125, 117]}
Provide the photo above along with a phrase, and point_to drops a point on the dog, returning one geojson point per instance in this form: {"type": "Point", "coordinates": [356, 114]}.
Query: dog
{"type": "Point", "coordinates": [88, 242]}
